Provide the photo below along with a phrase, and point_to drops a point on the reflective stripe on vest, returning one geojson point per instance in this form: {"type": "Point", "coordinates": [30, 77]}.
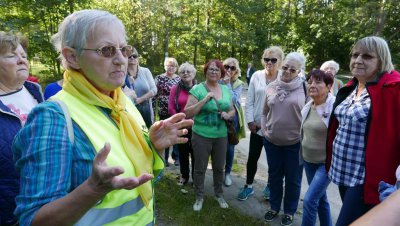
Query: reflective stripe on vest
{"type": "Point", "coordinates": [104, 216]}
{"type": "Point", "coordinates": [119, 207]}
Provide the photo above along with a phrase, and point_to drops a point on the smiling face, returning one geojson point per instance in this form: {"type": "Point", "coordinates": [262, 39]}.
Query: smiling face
{"type": "Point", "coordinates": [271, 61]}
{"type": "Point", "coordinates": [364, 65]}
{"type": "Point", "coordinates": [186, 76]}
{"type": "Point", "coordinates": [14, 68]}
{"type": "Point", "coordinates": [290, 70]}
{"type": "Point", "coordinates": [213, 73]}
{"type": "Point", "coordinates": [230, 69]}
{"type": "Point", "coordinates": [105, 73]}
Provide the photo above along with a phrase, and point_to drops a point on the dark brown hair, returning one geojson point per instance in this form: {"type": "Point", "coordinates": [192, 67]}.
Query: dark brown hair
{"type": "Point", "coordinates": [320, 75]}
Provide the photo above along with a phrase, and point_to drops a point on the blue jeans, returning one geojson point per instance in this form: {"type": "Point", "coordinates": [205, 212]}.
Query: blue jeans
{"type": "Point", "coordinates": [353, 204]}
{"type": "Point", "coordinates": [283, 162]}
{"type": "Point", "coordinates": [315, 199]}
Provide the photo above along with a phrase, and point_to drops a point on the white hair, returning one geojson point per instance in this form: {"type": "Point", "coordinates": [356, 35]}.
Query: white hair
{"type": "Point", "coordinates": [78, 27]}
{"type": "Point", "coordinates": [330, 63]}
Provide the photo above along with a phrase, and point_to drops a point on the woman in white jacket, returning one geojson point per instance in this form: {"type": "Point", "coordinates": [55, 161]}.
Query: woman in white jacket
{"type": "Point", "coordinates": [314, 128]}
{"type": "Point", "coordinates": [272, 60]}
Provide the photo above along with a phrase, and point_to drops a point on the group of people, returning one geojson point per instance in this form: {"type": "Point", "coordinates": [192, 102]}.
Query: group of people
{"type": "Point", "coordinates": [92, 153]}
{"type": "Point", "coordinates": [348, 139]}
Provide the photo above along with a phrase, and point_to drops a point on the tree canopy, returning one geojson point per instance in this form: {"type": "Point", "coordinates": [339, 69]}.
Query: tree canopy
{"type": "Point", "coordinates": [199, 30]}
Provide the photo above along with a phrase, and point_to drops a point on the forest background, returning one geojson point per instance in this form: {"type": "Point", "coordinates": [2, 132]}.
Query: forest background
{"type": "Point", "coordinates": [199, 30]}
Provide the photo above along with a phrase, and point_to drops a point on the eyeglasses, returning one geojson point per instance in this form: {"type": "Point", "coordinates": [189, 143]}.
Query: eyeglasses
{"type": "Point", "coordinates": [292, 70]}
{"type": "Point", "coordinates": [213, 70]}
{"type": "Point", "coordinates": [185, 72]}
{"type": "Point", "coordinates": [110, 51]}
{"type": "Point", "coordinates": [363, 56]}
{"type": "Point", "coordinates": [170, 66]}
{"type": "Point", "coordinates": [273, 60]}
{"type": "Point", "coordinates": [227, 67]}
{"type": "Point", "coordinates": [133, 56]}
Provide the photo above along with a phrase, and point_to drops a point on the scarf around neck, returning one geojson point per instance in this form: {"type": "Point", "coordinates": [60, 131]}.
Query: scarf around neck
{"type": "Point", "coordinates": [130, 131]}
{"type": "Point", "coordinates": [283, 89]}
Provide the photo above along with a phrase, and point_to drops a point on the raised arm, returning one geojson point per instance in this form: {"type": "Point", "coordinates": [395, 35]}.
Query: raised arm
{"type": "Point", "coordinates": [193, 106]}
{"type": "Point", "coordinates": [44, 158]}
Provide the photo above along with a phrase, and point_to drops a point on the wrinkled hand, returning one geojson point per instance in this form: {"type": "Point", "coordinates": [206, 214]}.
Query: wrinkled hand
{"type": "Point", "coordinates": [209, 96]}
{"type": "Point", "coordinates": [105, 178]}
{"type": "Point", "coordinates": [252, 127]}
{"type": "Point", "coordinates": [139, 100]}
{"type": "Point", "coordinates": [225, 116]}
{"type": "Point", "coordinates": [168, 132]}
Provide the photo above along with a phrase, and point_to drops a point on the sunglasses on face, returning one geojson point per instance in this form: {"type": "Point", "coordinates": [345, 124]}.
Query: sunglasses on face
{"type": "Point", "coordinates": [273, 60]}
{"type": "Point", "coordinates": [291, 70]}
{"type": "Point", "coordinates": [133, 56]}
{"type": "Point", "coordinates": [110, 51]}
{"type": "Point", "coordinates": [232, 68]}
{"type": "Point", "coordinates": [363, 56]}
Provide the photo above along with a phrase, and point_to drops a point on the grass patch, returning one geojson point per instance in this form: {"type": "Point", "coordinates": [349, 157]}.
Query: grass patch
{"type": "Point", "coordinates": [175, 208]}
{"type": "Point", "coordinates": [237, 168]}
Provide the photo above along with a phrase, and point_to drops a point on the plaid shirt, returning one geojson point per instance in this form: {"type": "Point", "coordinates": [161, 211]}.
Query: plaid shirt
{"type": "Point", "coordinates": [348, 159]}
{"type": "Point", "coordinates": [49, 165]}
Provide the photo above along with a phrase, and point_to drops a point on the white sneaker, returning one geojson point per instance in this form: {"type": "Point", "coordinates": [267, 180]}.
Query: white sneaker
{"type": "Point", "coordinates": [222, 203]}
{"type": "Point", "coordinates": [228, 180]}
{"type": "Point", "coordinates": [198, 205]}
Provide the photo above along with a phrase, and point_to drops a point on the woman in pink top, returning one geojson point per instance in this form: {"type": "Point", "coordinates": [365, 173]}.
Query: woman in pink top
{"type": "Point", "coordinates": [177, 100]}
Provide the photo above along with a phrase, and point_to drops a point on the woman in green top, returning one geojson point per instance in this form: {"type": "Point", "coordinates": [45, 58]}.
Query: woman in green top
{"type": "Point", "coordinates": [209, 135]}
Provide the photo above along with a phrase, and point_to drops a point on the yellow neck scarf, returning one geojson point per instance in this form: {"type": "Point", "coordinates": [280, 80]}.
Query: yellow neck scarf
{"type": "Point", "coordinates": [131, 134]}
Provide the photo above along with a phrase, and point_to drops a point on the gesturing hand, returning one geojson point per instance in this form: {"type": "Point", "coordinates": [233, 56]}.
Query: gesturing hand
{"type": "Point", "coordinates": [168, 132]}
{"type": "Point", "coordinates": [105, 178]}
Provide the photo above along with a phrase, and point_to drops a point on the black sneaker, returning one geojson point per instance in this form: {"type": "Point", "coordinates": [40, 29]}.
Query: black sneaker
{"type": "Point", "coordinates": [287, 220]}
{"type": "Point", "coordinates": [270, 215]}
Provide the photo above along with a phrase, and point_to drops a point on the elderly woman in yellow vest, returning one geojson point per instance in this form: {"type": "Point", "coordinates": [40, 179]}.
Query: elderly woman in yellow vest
{"type": "Point", "coordinates": [87, 158]}
{"type": "Point", "coordinates": [233, 82]}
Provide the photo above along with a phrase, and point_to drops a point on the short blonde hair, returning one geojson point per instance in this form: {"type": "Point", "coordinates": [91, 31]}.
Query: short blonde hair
{"type": "Point", "coordinates": [171, 60]}
{"type": "Point", "coordinates": [380, 47]}
{"type": "Point", "coordinates": [236, 63]}
{"type": "Point", "coordinates": [273, 49]}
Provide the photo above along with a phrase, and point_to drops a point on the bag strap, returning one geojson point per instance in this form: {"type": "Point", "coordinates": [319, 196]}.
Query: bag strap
{"type": "Point", "coordinates": [68, 119]}
{"type": "Point", "coordinates": [305, 92]}
{"type": "Point", "coordinates": [216, 102]}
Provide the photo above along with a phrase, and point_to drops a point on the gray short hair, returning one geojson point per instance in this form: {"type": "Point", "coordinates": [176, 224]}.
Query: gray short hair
{"type": "Point", "coordinates": [236, 63]}
{"type": "Point", "coordinates": [331, 63]}
{"type": "Point", "coordinates": [380, 47]}
{"type": "Point", "coordinates": [189, 67]}
{"type": "Point", "coordinates": [297, 57]}
{"type": "Point", "coordinates": [79, 26]}
{"type": "Point", "coordinates": [8, 42]}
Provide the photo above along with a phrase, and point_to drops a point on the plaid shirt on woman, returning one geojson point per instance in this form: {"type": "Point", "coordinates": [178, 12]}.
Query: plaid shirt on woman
{"type": "Point", "coordinates": [348, 159]}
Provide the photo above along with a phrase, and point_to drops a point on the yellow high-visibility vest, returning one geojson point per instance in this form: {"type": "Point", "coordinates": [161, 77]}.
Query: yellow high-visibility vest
{"type": "Point", "coordinates": [118, 207]}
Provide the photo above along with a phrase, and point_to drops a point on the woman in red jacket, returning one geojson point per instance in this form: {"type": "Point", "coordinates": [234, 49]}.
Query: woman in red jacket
{"type": "Point", "coordinates": [363, 140]}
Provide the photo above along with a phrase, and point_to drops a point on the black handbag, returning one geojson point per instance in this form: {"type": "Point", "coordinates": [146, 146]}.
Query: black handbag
{"type": "Point", "coordinates": [232, 138]}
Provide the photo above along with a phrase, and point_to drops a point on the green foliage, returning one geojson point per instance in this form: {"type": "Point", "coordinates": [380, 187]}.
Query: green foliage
{"type": "Point", "coordinates": [200, 30]}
